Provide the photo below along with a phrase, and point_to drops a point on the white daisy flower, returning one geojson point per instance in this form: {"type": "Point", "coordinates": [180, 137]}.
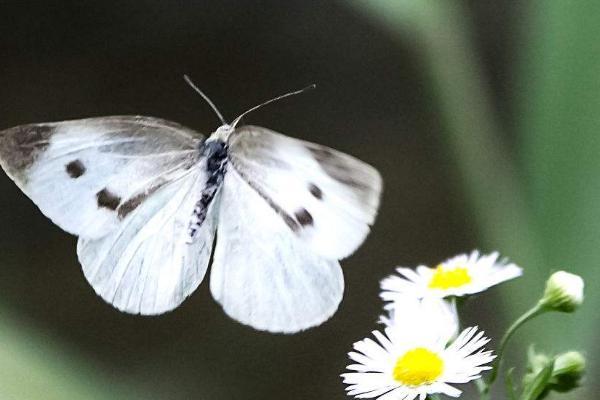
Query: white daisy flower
{"type": "Point", "coordinates": [440, 314]}
{"type": "Point", "coordinates": [413, 359]}
{"type": "Point", "coordinates": [459, 276]}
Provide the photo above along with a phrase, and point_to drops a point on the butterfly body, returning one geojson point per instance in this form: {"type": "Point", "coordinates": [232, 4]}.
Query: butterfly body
{"type": "Point", "coordinates": [214, 150]}
{"type": "Point", "coordinates": [146, 197]}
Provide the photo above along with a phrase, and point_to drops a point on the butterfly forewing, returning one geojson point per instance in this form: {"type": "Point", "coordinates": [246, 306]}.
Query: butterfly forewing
{"type": "Point", "coordinates": [88, 175]}
{"type": "Point", "coordinates": [327, 198]}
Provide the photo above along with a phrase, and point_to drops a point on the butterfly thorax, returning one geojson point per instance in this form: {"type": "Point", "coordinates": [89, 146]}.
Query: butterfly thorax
{"type": "Point", "coordinates": [214, 151]}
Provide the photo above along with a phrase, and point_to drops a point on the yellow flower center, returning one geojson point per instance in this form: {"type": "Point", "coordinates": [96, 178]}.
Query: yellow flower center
{"type": "Point", "coordinates": [449, 278]}
{"type": "Point", "coordinates": [417, 367]}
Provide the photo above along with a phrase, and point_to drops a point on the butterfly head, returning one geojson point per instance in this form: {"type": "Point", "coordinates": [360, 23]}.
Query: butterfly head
{"type": "Point", "coordinates": [222, 133]}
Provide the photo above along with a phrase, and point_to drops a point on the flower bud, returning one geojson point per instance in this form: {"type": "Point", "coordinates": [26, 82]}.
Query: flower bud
{"type": "Point", "coordinates": [568, 371]}
{"type": "Point", "coordinates": [564, 292]}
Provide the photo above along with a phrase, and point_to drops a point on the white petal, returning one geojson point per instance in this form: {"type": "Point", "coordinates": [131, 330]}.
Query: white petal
{"type": "Point", "coordinates": [448, 390]}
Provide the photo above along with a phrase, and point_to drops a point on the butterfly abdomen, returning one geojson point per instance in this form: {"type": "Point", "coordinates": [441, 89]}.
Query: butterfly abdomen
{"type": "Point", "coordinates": [215, 152]}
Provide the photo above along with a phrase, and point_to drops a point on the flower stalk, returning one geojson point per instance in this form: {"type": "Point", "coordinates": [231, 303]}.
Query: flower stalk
{"type": "Point", "coordinates": [528, 315]}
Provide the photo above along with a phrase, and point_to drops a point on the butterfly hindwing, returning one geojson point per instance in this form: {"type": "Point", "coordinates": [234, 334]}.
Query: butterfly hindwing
{"type": "Point", "coordinates": [88, 175]}
{"type": "Point", "coordinates": [262, 275]}
{"type": "Point", "coordinates": [148, 265]}
{"type": "Point", "coordinates": [327, 198]}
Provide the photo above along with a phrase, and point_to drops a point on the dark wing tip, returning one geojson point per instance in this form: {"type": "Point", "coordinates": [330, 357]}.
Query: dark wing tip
{"type": "Point", "coordinates": [21, 145]}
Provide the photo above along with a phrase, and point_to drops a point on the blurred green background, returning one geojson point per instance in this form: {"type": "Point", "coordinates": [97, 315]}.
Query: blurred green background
{"type": "Point", "coordinates": [483, 118]}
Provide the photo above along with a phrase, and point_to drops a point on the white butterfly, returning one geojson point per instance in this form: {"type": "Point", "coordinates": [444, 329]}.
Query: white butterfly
{"type": "Point", "coordinates": [146, 197]}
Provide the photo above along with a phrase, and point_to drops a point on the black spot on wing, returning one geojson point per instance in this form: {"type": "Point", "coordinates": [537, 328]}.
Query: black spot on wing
{"type": "Point", "coordinates": [107, 199]}
{"type": "Point", "coordinates": [289, 221]}
{"type": "Point", "coordinates": [304, 217]}
{"type": "Point", "coordinates": [133, 202]}
{"type": "Point", "coordinates": [75, 169]}
{"type": "Point", "coordinates": [315, 191]}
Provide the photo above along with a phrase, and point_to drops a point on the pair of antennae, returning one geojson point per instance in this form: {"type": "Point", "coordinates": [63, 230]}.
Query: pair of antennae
{"type": "Point", "coordinates": [237, 120]}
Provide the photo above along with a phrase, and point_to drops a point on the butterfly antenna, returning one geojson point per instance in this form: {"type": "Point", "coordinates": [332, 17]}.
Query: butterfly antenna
{"type": "Point", "coordinates": [205, 97]}
{"type": "Point", "coordinates": [283, 96]}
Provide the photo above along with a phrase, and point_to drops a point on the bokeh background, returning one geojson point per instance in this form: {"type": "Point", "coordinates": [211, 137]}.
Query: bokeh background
{"type": "Point", "coordinates": [483, 118]}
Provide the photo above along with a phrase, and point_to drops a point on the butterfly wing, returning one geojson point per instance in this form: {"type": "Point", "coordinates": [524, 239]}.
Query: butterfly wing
{"type": "Point", "coordinates": [327, 198]}
{"type": "Point", "coordinates": [262, 275]}
{"type": "Point", "coordinates": [127, 186]}
{"type": "Point", "coordinates": [147, 265]}
{"type": "Point", "coordinates": [88, 175]}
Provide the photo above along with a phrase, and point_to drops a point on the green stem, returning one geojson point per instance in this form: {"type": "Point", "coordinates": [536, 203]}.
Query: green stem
{"type": "Point", "coordinates": [533, 312]}
{"type": "Point", "coordinates": [509, 385]}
